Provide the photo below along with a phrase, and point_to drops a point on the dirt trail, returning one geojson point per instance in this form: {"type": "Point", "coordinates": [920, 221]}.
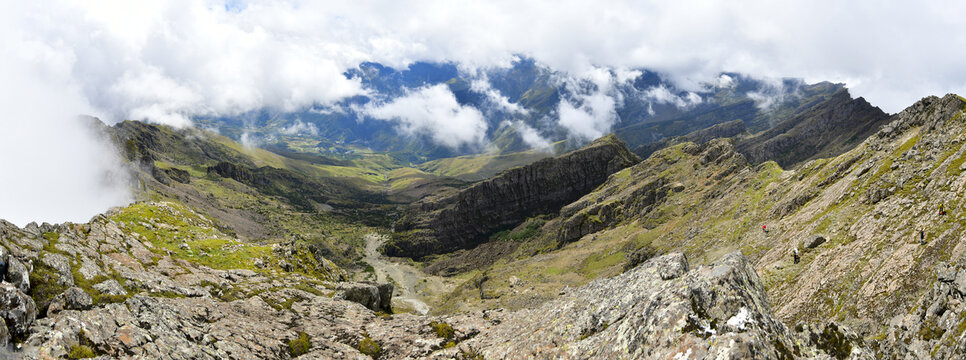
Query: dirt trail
{"type": "Point", "coordinates": [412, 285]}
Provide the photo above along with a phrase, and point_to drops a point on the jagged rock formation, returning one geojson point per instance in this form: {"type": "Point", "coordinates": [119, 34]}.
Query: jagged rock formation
{"type": "Point", "coordinates": [934, 328]}
{"type": "Point", "coordinates": [663, 310]}
{"type": "Point", "coordinates": [375, 297]}
{"type": "Point", "coordinates": [463, 219]}
{"type": "Point", "coordinates": [828, 129]}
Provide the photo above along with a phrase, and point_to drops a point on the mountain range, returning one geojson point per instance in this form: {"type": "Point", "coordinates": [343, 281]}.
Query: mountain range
{"type": "Point", "coordinates": [523, 106]}
{"type": "Point", "coordinates": [745, 219]}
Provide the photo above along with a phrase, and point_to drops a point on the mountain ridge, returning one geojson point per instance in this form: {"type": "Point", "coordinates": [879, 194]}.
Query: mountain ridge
{"type": "Point", "coordinates": [448, 222]}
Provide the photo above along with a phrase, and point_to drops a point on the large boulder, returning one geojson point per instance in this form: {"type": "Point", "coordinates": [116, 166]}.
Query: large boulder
{"type": "Point", "coordinates": [110, 287]}
{"type": "Point", "coordinates": [17, 309]}
{"type": "Point", "coordinates": [814, 241]}
{"type": "Point", "coordinates": [17, 274]}
{"type": "Point", "coordinates": [73, 299]}
{"type": "Point", "coordinates": [373, 296]}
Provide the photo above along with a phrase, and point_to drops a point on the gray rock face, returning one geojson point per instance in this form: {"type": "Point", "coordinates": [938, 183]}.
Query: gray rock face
{"type": "Point", "coordinates": [60, 264]}
{"type": "Point", "coordinates": [372, 296]}
{"type": "Point", "coordinates": [835, 126]}
{"type": "Point", "coordinates": [17, 274]}
{"type": "Point", "coordinates": [463, 219]}
{"type": "Point", "coordinates": [17, 310]}
{"type": "Point", "coordinates": [110, 287]}
{"type": "Point", "coordinates": [933, 329]}
{"type": "Point", "coordinates": [659, 310]}
{"type": "Point", "coordinates": [814, 242]}
{"type": "Point", "coordinates": [73, 299]}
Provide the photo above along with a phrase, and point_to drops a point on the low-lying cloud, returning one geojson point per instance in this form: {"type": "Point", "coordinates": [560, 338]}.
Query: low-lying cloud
{"type": "Point", "coordinates": [169, 61]}
{"type": "Point", "coordinates": [433, 111]}
{"type": "Point", "coordinates": [300, 128]}
{"type": "Point", "coordinates": [54, 166]}
{"type": "Point", "coordinates": [173, 60]}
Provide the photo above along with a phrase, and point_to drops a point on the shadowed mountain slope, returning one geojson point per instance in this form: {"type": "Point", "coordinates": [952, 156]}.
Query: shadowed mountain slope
{"type": "Point", "coordinates": [463, 219]}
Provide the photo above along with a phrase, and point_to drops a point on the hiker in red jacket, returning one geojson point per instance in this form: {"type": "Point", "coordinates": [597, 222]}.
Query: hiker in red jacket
{"type": "Point", "coordinates": [764, 229]}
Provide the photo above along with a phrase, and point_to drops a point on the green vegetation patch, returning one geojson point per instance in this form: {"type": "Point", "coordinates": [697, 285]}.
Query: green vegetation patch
{"type": "Point", "coordinates": [300, 345]}
{"type": "Point", "coordinates": [44, 286]}
{"type": "Point", "coordinates": [369, 347]}
{"type": "Point", "coordinates": [84, 349]}
{"type": "Point", "coordinates": [594, 264]}
{"type": "Point", "coordinates": [173, 228]}
{"type": "Point", "coordinates": [529, 229]}
{"type": "Point", "coordinates": [80, 352]}
{"type": "Point", "coordinates": [51, 236]}
{"type": "Point", "coordinates": [442, 329]}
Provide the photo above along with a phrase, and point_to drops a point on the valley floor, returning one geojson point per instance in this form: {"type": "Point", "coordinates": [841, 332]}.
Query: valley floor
{"type": "Point", "coordinates": [412, 286]}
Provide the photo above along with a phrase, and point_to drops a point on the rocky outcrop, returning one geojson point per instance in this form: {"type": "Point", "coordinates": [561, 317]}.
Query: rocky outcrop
{"type": "Point", "coordinates": [465, 218]}
{"type": "Point", "coordinates": [375, 297]}
{"type": "Point", "coordinates": [149, 303]}
{"type": "Point", "coordinates": [829, 129]}
{"type": "Point", "coordinates": [17, 310]}
{"type": "Point", "coordinates": [861, 261]}
{"type": "Point", "coordinates": [663, 310]}
{"type": "Point", "coordinates": [934, 327]}
{"type": "Point", "coordinates": [73, 299]}
{"type": "Point", "coordinates": [144, 296]}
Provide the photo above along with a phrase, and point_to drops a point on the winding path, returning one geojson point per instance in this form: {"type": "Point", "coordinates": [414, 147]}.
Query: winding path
{"type": "Point", "coordinates": [409, 281]}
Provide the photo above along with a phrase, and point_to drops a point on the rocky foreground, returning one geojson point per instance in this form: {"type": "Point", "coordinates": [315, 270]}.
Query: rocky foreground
{"type": "Point", "coordinates": [101, 289]}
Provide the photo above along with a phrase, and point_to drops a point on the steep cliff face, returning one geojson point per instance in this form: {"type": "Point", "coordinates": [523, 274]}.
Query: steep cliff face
{"type": "Point", "coordinates": [641, 191]}
{"type": "Point", "coordinates": [828, 129]}
{"type": "Point", "coordinates": [463, 219]}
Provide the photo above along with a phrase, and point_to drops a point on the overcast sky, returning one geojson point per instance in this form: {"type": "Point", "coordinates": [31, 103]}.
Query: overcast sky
{"type": "Point", "coordinates": [168, 61]}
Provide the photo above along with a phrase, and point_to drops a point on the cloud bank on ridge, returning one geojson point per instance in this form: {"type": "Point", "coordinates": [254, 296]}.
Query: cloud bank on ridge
{"type": "Point", "coordinates": [168, 61]}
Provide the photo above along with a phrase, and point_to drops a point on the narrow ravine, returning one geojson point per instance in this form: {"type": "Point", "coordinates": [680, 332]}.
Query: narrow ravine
{"type": "Point", "coordinates": [412, 285]}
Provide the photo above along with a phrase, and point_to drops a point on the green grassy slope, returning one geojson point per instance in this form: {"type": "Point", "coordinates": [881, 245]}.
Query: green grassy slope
{"type": "Point", "coordinates": [706, 201]}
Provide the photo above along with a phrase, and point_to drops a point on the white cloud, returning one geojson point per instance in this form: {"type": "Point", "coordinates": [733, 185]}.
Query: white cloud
{"type": "Point", "coordinates": [590, 121]}
{"type": "Point", "coordinates": [724, 81]}
{"type": "Point", "coordinates": [299, 127]}
{"type": "Point", "coordinates": [772, 92]}
{"type": "Point", "coordinates": [53, 166]}
{"type": "Point", "coordinates": [434, 112]}
{"type": "Point", "coordinates": [171, 60]}
{"type": "Point", "coordinates": [530, 136]}
{"type": "Point", "coordinates": [662, 95]}
{"type": "Point", "coordinates": [250, 141]}
{"type": "Point", "coordinates": [494, 98]}
{"type": "Point", "coordinates": [591, 109]}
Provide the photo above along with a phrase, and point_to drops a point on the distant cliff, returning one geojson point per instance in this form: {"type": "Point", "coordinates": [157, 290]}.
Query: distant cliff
{"type": "Point", "coordinates": [826, 130]}
{"type": "Point", "coordinates": [465, 218]}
